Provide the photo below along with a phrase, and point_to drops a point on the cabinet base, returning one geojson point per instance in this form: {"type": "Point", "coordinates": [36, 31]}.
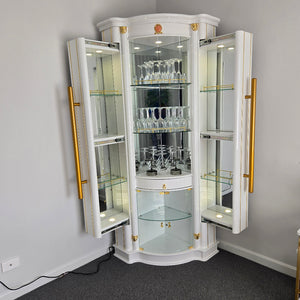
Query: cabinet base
{"type": "Point", "coordinates": [166, 259]}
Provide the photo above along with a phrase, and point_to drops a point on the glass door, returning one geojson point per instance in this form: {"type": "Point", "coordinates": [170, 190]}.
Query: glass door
{"type": "Point", "coordinates": [225, 80]}
{"type": "Point", "coordinates": [96, 81]}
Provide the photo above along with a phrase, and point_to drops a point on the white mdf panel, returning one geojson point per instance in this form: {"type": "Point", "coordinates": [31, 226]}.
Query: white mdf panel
{"type": "Point", "coordinates": [164, 183]}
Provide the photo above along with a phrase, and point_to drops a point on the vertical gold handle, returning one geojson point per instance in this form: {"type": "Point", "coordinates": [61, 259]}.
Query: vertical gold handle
{"type": "Point", "coordinates": [75, 142]}
{"type": "Point", "coordinates": [252, 134]}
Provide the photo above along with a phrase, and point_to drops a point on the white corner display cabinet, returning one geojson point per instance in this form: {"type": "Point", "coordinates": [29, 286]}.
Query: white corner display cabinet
{"type": "Point", "coordinates": [163, 118]}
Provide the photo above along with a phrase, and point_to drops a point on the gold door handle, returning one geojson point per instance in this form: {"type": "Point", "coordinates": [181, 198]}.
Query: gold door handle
{"type": "Point", "coordinates": [75, 142]}
{"type": "Point", "coordinates": [252, 134]}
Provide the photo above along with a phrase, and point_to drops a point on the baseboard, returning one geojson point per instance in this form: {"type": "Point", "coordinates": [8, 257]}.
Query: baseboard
{"type": "Point", "coordinates": [9, 295]}
{"type": "Point", "coordinates": [259, 258]}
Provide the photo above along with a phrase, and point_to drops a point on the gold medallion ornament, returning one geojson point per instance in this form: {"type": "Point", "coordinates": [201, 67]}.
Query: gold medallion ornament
{"type": "Point", "coordinates": [195, 26]}
{"type": "Point", "coordinates": [158, 29]}
{"type": "Point", "coordinates": [196, 236]}
{"type": "Point", "coordinates": [123, 29]}
{"type": "Point", "coordinates": [134, 238]}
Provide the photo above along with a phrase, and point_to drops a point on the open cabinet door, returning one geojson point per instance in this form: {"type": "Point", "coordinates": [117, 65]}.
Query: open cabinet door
{"type": "Point", "coordinates": [96, 104]}
{"type": "Point", "coordinates": [225, 123]}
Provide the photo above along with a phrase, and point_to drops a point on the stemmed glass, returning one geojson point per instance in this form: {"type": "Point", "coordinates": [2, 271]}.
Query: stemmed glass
{"type": "Point", "coordinates": [181, 120]}
{"type": "Point", "coordinates": [161, 121]}
{"type": "Point", "coordinates": [143, 165]}
{"type": "Point", "coordinates": [140, 119]}
{"type": "Point", "coordinates": [154, 123]}
{"type": "Point", "coordinates": [178, 74]}
{"type": "Point", "coordinates": [141, 78]}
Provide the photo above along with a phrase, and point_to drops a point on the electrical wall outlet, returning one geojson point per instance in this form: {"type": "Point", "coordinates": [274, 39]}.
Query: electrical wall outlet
{"type": "Point", "coordinates": [10, 264]}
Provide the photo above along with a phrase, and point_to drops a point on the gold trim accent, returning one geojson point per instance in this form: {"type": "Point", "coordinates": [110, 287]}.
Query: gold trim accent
{"type": "Point", "coordinates": [161, 224]}
{"type": "Point", "coordinates": [189, 189]}
{"type": "Point", "coordinates": [195, 26]}
{"type": "Point", "coordinates": [191, 247]}
{"type": "Point", "coordinates": [169, 224]}
{"type": "Point", "coordinates": [164, 187]}
{"type": "Point", "coordinates": [252, 134]}
{"type": "Point", "coordinates": [141, 249]}
{"type": "Point", "coordinates": [123, 29]}
{"type": "Point", "coordinates": [164, 193]}
{"type": "Point", "coordinates": [138, 191]}
{"type": "Point", "coordinates": [134, 238]}
{"type": "Point", "coordinates": [197, 236]}
{"type": "Point", "coordinates": [75, 142]}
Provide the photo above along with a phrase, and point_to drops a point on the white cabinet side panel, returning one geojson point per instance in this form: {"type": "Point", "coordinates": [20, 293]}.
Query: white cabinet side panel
{"type": "Point", "coordinates": [79, 76]}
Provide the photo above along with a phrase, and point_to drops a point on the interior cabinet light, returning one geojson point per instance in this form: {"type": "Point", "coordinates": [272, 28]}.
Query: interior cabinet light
{"type": "Point", "coordinates": [158, 51]}
{"type": "Point", "coordinates": [179, 46]}
{"type": "Point", "coordinates": [219, 216]}
{"type": "Point", "coordinates": [89, 54]}
{"type": "Point", "coordinates": [111, 219]}
{"type": "Point", "coordinates": [228, 210]}
{"type": "Point", "coordinates": [221, 46]}
{"type": "Point", "coordinates": [102, 215]}
{"type": "Point", "coordinates": [230, 48]}
{"type": "Point", "coordinates": [99, 51]}
{"type": "Point", "coordinates": [136, 48]}
{"type": "Point", "coordinates": [158, 42]}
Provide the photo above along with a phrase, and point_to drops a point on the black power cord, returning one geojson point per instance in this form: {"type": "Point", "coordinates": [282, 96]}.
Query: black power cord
{"type": "Point", "coordinates": [109, 255]}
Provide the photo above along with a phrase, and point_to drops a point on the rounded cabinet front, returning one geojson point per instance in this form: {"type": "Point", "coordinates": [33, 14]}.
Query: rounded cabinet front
{"type": "Point", "coordinates": [165, 221]}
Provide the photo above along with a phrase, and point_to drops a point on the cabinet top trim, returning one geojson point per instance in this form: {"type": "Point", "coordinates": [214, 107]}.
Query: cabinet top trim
{"type": "Point", "coordinates": [154, 18]}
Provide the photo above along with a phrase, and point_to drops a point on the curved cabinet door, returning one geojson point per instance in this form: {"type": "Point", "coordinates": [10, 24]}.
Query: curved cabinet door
{"type": "Point", "coordinates": [97, 88]}
{"type": "Point", "coordinates": [225, 82]}
{"type": "Point", "coordinates": [165, 221]}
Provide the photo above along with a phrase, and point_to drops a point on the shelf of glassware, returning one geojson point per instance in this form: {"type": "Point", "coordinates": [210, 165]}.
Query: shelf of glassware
{"type": "Point", "coordinates": [151, 84]}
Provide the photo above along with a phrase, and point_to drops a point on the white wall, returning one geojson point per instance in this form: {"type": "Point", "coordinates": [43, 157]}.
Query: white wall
{"type": "Point", "coordinates": [274, 207]}
{"type": "Point", "coordinates": [40, 216]}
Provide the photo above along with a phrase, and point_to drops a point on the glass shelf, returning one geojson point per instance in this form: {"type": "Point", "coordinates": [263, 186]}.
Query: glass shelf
{"type": "Point", "coordinates": [105, 93]}
{"type": "Point", "coordinates": [217, 88]}
{"type": "Point", "coordinates": [108, 180]}
{"type": "Point", "coordinates": [218, 214]}
{"type": "Point", "coordinates": [217, 135]}
{"type": "Point", "coordinates": [158, 130]}
{"type": "Point", "coordinates": [222, 176]}
{"type": "Point", "coordinates": [165, 213]}
{"type": "Point", "coordinates": [163, 85]}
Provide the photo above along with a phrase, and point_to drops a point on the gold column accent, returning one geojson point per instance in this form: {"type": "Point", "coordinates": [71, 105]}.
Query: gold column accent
{"type": "Point", "coordinates": [297, 291]}
{"type": "Point", "coordinates": [252, 134]}
{"type": "Point", "coordinates": [123, 29]}
{"type": "Point", "coordinates": [164, 187]}
{"type": "Point", "coordinates": [195, 26]}
{"type": "Point", "coordinates": [134, 238]}
{"type": "Point", "coordinates": [75, 142]}
{"type": "Point", "coordinates": [196, 236]}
